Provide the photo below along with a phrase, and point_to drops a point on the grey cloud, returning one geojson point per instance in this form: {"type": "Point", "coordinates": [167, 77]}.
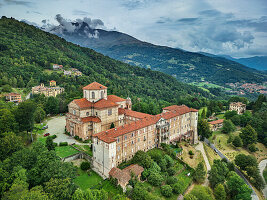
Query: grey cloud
{"type": "Point", "coordinates": [80, 12]}
{"type": "Point", "coordinates": [210, 12]}
{"type": "Point", "coordinates": [18, 2]}
{"type": "Point", "coordinates": [260, 25]}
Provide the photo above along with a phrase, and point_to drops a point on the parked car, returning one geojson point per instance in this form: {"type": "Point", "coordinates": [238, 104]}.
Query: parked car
{"type": "Point", "coordinates": [216, 151]}
{"type": "Point", "coordinates": [45, 127]}
{"type": "Point", "coordinates": [47, 134]}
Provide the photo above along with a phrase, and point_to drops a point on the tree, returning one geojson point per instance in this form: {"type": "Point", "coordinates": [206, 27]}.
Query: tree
{"type": "Point", "coordinates": [190, 197]}
{"type": "Point", "coordinates": [218, 173]}
{"type": "Point", "coordinates": [52, 105]}
{"type": "Point", "coordinates": [7, 121]}
{"type": "Point", "coordinates": [243, 161]}
{"type": "Point", "coordinates": [91, 194]}
{"type": "Point", "coordinates": [49, 143]}
{"type": "Point", "coordinates": [142, 159]}
{"type": "Point", "coordinates": [237, 142]}
{"type": "Point", "coordinates": [219, 192]}
{"type": "Point", "coordinates": [9, 144]}
{"type": "Point", "coordinates": [203, 114]}
{"type": "Point", "coordinates": [236, 120]}
{"type": "Point", "coordinates": [155, 179]}
{"type": "Point", "coordinates": [166, 190]}
{"type": "Point", "coordinates": [248, 135]}
{"type": "Point", "coordinates": [237, 189]}
{"type": "Point", "coordinates": [178, 187]}
{"type": "Point", "coordinates": [39, 115]}
{"type": "Point", "coordinates": [25, 116]}
{"type": "Point", "coordinates": [200, 173]}
{"type": "Point", "coordinates": [139, 193]}
{"type": "Point", "coordinates": [58, 189]}
{"type": "Point", "coordinates": [230, 114]}
{"type": "Point", "coordinates": [36, 193]}
{"type": "Point", "coordinates": [231, 138]}
{"type": "Point", "coordinates": [228, 126]}
{"type": "Point", "coordinates": [203, 129]}
{"type": "Point", "coordinates": [171, 180]}
{"type": "Point", "coordinates": [112, 125]}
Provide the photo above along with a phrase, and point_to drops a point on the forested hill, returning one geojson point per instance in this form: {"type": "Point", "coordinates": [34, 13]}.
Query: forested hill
{"type": "Point", "coordinates": [185, 66]}
{"type": "Point", "coordinates": [26, 53]}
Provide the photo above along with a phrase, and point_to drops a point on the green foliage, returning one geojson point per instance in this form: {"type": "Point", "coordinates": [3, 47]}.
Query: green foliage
{"type": "Point", "coordinates": [200, 173]}
{"type": "Point", "coordinates": [171, 171]}
{"type": "Point", "coordinates": [142, 159]}
{"type": "Point", "coordinates": [91, 194]}
{"type": "Point", "coordinates": [171, 180]}
{"type": "Point", "coordinates": [155, 179]}
{"type": "Point", "coordinates": [58, 189]}
{"type": "Point", "coordinates": [218, 173]}
{"type": "Point", "coordinates": [85, 166]}
{"type": "Point", "coordinates": [248, 135]}
{"type": "Point", "coordinates": [265, 174]}
{"type": "Point", "coordinates": [39, 115]}
{"type": "Point", "coordinates": [9, 144]}
{"type": "Point", "coordinates": [190, 197]}
{"type": "Point", "coordinates": [203, 129]}
{"type": "Point", "coordinates": [237, 189]}
{"type": "Point", "coordinates": [166, 190]}
{"type": "Point", "coordinates": [219, 192]}
{"type": "Point", "coordinates": [230, 114]}
{"type": "Point", "coordinates": [201, 193]}
{"type": "Point", "coordinates": [178, 187]}
{"type": "Point", "coordinates": [237, 142]}
{"type": "Point", "coordinates": [191, 152]}
{"type": "Point", "coordinates": [49, 143]}
{"type": "Point", "coordinates": [7, 121]}
{"type": "Point", "coordinates": [112, 125]}
{"type": "Point", "coordinates": [63, 144]}
{"type": "Point", "coordinates": [252, 148]}
{"type": "Point", "coordinates": [228, 126]}
{"type": "Point", "coordinates": [230, 138]}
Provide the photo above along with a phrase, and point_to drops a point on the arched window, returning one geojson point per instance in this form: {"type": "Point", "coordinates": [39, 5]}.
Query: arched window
{"type": "Point", "coordinates": [93, 95]}
{"type": "Point", "coordinates": [102, 94]}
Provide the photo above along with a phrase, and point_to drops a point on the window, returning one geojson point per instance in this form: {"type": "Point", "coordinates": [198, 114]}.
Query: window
{"type": "Point", "coordinates": [144, 138]}
{"type": "Point", "coordinates": [138, 139]}
{"type": "Point", "coordinates": [96, 113]}
{"type": "Point", "coordinates": [109, 112]}
{"type": "Point", "coordinates": [119, 148]}
{"type": "Point", "coordinates": [87, 113]}
{"type": "Point", "coordinates": [93, 95]}
{"type": "Point", "coordinates": [102, 94]}
{"type": "Point", "coordinates": [132, 134]}
{"type": "Point", "coordinates": [132, 142]}
{"type": "Point", "coordinates": [125, 145]}
{"type": "Point", "coordinates": [125, 137]}
{"type": "Point", "coordinates": [74, 112]}
{"type": "Point", "coordinates": [118, 140]}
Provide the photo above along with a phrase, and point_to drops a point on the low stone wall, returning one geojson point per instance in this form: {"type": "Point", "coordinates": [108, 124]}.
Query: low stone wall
{"type": "Point", "coordinates": [80, 155]}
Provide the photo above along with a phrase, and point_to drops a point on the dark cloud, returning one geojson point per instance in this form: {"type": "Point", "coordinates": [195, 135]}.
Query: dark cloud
{"type": "Point", "coordinates": [260, 25]}
{"type": "Point", "coordinates": [190, 21]}
{"type": "Point", "coordinates": [18, 2]}
{"type": "Point", "coordinates": [210, 13]}
{"type": "Point", "coordinates": [80, 12]}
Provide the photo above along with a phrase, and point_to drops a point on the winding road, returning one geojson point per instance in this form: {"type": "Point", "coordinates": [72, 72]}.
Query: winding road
{"type": "Point", "coordinates": [262, 166]}
{"type": "Point", "coordinates": [253, 195]}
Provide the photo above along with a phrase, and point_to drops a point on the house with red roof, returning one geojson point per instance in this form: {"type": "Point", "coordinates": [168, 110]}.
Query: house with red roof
{"type": "Point", "coordinates": [91, 117]}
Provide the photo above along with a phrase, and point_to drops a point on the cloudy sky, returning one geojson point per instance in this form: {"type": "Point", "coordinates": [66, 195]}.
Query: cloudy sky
{"type": "Point", "coordinates": [232, 27]}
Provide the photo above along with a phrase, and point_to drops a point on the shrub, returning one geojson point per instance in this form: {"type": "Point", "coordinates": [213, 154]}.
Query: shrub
{"type": "Point", "coordinates": [54, 136]}
{"type": "Point", "coordinates": [76, 137]}
{"type": "Point", "coordinates": [178, 187]}
{"type": "Point", "coordinates": [171, 180]}
{"type": "Point", "coordinates": [55, 144]}
{"type": "Point", "coordinates": [85, 166]}
{"type": "Point", "coordinates": [252, 148]}
{"type": "Point", "coordinates": [166, 190]}
{"type": "Point", "coordinates": [163, 164]}
{"type": "Point", "coordinates": [171, 171]}
{"type": "Point", "coordinates": [63, 144]}
{"type": "Point", "coordinates": [142, 159]}
{"type": "Point", "coordinates": [237, 142]}
{"type": "Point", "coordinates": [169, 161]}
{"type": "Point", "coordinates": [191, 152]}
{"type": "Point", "coordinates": [155, 179]}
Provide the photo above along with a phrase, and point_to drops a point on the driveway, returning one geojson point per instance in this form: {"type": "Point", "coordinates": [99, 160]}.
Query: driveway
{"type": "Point", "coordinates": [56, 126]}
{"type": "Point", "coordinates": [253, 195]}
{"type": "Point", "coordinates": [262, 166]}
{"type": "Point", "coordinates": [201, 149]}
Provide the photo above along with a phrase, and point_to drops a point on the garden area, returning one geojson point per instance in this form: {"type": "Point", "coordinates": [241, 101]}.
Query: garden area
{"type": "Point", "coordinates": [85, 148]}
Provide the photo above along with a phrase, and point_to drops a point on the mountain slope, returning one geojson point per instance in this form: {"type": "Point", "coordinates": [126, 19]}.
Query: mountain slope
{"type": "Point", "coordinates": [26, 52]}
{"type": "Point", "coordinates": [185, 66]}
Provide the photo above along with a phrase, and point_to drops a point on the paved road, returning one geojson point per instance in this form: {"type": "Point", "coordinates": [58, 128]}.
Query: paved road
{"type": "Point", "coordinates": [201, 149]}
{"type": "Point", "coordinates": [28, 96]}
{"type": "Point", "coordinates": [56, 126]}
{"type": "Point", "coordinates": [253, 195]}
{"type": "Point", "coordinates": [262, 166]}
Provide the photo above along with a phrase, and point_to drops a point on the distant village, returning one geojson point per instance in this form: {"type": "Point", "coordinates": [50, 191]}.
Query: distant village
{"type": "Point", "coordinates": [69, 72]}
{"type": "Point", "coordinates": [247, 88]}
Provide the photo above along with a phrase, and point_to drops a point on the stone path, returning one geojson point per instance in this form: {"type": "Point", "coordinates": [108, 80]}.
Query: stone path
{"type": "Point", "coordinates": [262, 166]}
{"type": "Point", "coordinates": [201, 149]}
{"type": "Point", "coordinates": [56, 126]}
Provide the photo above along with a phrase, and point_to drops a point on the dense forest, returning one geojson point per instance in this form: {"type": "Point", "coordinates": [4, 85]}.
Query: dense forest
{"type": "Point", "coordinates": [27, 53]}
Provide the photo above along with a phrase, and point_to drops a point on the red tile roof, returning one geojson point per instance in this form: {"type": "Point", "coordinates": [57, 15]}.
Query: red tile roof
{"type": "Point", "coordinates": [83, 103]}
{"type": "Point", "coordinates": [52, 81]}
{"type": "Point", "coordinates": [173, 107]}
{"type": "Point", "coordinates": [94, 86]}
{"type": "Point", "coordinates": [91, 119]}
{"type": "Point", "coordinates": [115, 98]}
{"type": "Point", "coordinates": [132, 113]}
{"type": "Point", "coordinates": [219, 121]}
{"type": "Point", "coordinates": [103, 103]}
{"type": "Point", "coordinates": [123, 176]}
{"type": "Point", "coordinates": [176, 111]}
{"type": "Point", "coordinates": [13, 94]}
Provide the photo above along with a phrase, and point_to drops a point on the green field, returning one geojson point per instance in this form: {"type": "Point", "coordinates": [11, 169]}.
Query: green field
{"type": "Point", "coordinates": [64, 151]}
{"type": "Point", "coordinates": [84, 181]}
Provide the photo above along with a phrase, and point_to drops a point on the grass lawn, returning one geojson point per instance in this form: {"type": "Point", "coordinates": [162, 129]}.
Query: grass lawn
{"type": "Point", "coordinates": [210, 154]}
{"type": "Point", "coordinates": [84, 181]}
{"type": "Point", "coordinates": [84, 148]}
{"type": "Point", "coordinates": [220, 116]}
{"type": "Point", "coordinates": [192, 162]}
{"type": "Point", "coordinates": [64, 151]}
{"type": "Point", "coordinates": [42, 139]}
{"type": "Point", "coordinates": [110, 188]}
